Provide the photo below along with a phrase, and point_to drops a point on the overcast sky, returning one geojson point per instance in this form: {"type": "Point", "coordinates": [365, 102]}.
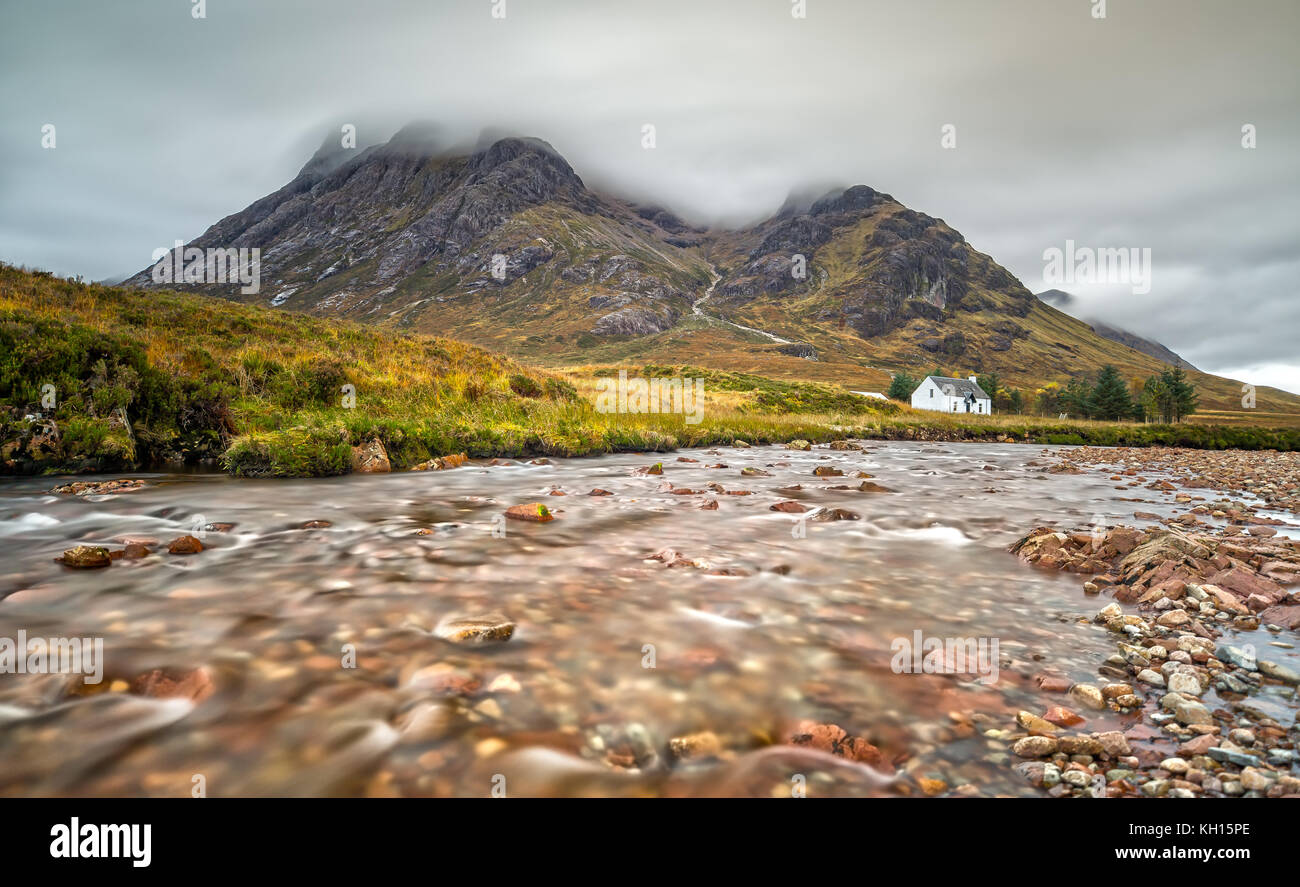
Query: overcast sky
{"type": "Point", "coordinates": [1122, 131]}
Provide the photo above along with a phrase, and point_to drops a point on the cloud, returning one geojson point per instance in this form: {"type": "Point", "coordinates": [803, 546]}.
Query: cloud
{"type": "Point", "coordinates": [1119, 132]}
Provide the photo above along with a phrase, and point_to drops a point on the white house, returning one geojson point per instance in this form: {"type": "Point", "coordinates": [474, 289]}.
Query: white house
{"type": "Point", "coordinates": [951, 396]}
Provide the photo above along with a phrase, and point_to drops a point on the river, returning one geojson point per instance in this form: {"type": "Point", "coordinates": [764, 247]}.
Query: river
{"type": "Point", "coordinates": [327, 674]}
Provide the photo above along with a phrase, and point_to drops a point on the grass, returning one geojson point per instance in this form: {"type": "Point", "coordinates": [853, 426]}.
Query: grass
{"type": "Point", "coordinates": [266, 393]}
{"type": "Point", "coordinates": [147, 378]}
{"type": "Point", "coordinates": [921, 424]}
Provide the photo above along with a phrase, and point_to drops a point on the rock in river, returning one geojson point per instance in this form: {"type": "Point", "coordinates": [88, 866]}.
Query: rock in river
{"type": "Point", "coordinates": [1036, 747]}
{"type": "Point", "coordinates": [184, 545]}
{"type": "Point", "coordinates": [475, 629]}
{"type": "Point", "coordinates": [532, 511]}
{"type": "Point", "coordinates": [86, 557]}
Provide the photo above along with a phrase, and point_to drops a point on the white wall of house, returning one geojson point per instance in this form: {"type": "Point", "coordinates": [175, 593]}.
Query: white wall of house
{"type": "Point", "coordinates": [928, 396]}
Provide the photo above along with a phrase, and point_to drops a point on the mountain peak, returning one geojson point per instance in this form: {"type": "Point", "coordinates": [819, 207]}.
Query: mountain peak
{"type": "Point", "coordinates": [856, 199]}
{"type": "Point", "coordinates": [420, 138]}
{"type": "Point", "coordinates": [1057, 298]}
{"type": "Point", "coordinates": [328, 157]}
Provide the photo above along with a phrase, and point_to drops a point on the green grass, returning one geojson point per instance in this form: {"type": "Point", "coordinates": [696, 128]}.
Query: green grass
{"type": "Point", "coordinates": [263, 392]}
{"type": "Point", "coordinates": [914, 424]}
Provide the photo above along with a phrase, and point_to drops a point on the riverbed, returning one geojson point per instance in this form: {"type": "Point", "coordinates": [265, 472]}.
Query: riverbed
{"type": "Point", "coordinates": [660, 645]}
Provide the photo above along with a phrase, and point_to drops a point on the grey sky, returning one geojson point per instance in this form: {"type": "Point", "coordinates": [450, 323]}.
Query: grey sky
{"type": "Point", "coordinates": [1115, 132]}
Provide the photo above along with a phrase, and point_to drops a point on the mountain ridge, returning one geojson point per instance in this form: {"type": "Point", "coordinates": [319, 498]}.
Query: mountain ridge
{"type": "Point", "coordinates": [1062, 300]}
{"type": "Point", "coordinates": [507, 247]}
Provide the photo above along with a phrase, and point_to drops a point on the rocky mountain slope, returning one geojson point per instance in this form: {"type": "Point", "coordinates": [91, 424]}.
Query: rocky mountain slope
{"type": "Point", "coordinates": [505, 246]}
{"type": "Point", "coordinates": [506, 235]}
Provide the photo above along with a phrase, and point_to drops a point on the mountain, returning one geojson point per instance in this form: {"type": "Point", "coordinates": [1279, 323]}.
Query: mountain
{"type": "Point", "coordinates": [403, 231]}
{"type": "Point", "coordinates": [1065, 302]}
{"type": "Point", "coordinates": [848, 287]}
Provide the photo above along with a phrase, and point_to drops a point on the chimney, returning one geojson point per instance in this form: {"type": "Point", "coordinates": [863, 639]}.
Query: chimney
{"type": "Point", "coordinates": [973, 379]}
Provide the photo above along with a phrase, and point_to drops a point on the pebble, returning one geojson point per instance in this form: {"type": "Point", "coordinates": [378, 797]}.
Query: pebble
{"type": "Point", "coordinates": [1147, 676]}
{"type": "Point", "coordinates": [1182, 682]}
{"type": "Point", "coordinates": [1035, 747]}
{"type": "Point", "coordinates": [1089, 696]}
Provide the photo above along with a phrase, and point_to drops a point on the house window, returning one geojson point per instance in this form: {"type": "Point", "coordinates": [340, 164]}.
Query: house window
{"type": "Point", "coordinates": [931, 394]}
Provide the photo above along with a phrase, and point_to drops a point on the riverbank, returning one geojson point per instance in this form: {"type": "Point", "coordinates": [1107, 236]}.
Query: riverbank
{"type": "Point", "coordinates": [104, 379]}
{"type": "Point", "coordinates": [1204, 605]}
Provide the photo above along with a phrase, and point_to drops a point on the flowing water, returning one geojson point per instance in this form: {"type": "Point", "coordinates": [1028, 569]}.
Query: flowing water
{"type": "Point", "coordinates": [781, 619]}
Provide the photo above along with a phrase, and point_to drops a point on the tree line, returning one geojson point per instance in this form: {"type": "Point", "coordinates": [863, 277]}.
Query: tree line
{"type": "Point", "coordinates": [1167, 397]}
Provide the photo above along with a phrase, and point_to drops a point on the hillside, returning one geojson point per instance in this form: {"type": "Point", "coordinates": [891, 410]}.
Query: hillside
{"type": "Point", "coordinates": [1066, 302]}
{"type": "Point", "coordinates": [159, 378]}
{"type": "Point", "coordinates": [405, 234]}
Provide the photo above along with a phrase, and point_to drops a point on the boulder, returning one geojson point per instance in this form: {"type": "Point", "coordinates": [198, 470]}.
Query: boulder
{"type": "Point", "coordinates": [370, 457]}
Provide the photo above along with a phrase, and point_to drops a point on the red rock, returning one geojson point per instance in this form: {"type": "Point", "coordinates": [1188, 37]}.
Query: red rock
{"type": "Point", "coordinates": [1241, 581]}
{"type": "Point", "coordinates": [670, 558]}
{"type": "Point", "coordinates": [442, 680]}
{"type": "Point", "coordinates": [789, 507]}
{"type": "Point", "coordinates": [1285, 616]}
{"type": "Point", "coordinates": [1258, 603]}
{"type": "Point", "coordinates": [1226, 600]}
{"type": "Point", "coordinates": [1062, 717]}
{"type": "Point", "coordinates": [599, 492]}
{"type": "Point", "coordinates": [1054, 684]}
{"type": "Point", "coordinates": [169, 683]}
{"type": "Point", "coordinates": [1199, 745]}
{"type": "Point", "coordinates": [1127, 594]}
{"type": "Point", "coordinates": [834, 740]}
{"type": "Point", "coordinates": [1285, 572]}
{"type": "Point", "coordinates": [184, 545]}
{"type": "Point", "coordinates": [531, 511]}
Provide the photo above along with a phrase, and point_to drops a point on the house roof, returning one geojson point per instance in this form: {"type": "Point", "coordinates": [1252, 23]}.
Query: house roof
{"type": "Point", "coordinates": [959, 387]}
